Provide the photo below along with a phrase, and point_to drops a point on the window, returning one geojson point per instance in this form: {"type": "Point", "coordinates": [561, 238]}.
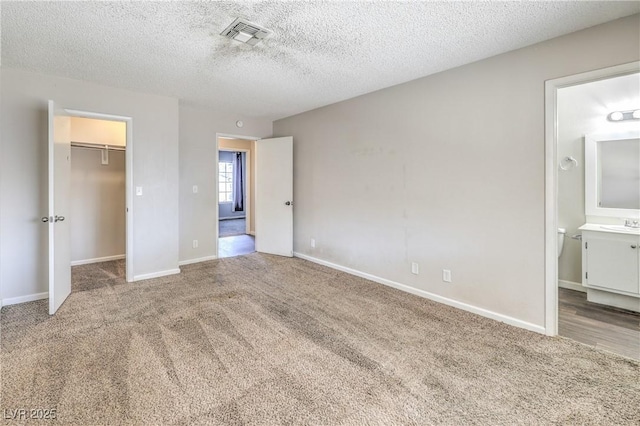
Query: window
{"type": "Point", "coordinates": [225, 182]}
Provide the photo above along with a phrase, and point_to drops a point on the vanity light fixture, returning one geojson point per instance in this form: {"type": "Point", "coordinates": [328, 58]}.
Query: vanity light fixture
{"type": "Point", "coordinates": [616, 116]}
{"type": "Point", "coordinates": [624, 115]}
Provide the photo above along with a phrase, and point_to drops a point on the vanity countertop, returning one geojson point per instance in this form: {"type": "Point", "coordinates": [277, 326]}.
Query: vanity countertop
{"type": "Point", "coordinates": [616, 229]}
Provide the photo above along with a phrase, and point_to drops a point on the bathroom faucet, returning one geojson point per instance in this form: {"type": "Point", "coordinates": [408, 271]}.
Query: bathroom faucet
{"type": "Point", "coordinates": [631, 223]}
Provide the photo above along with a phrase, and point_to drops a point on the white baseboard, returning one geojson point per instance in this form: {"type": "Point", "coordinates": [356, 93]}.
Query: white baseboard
{"type": "Point", "coordinates": [198, 260]}
{"type": "Point", "coordinates": [156, 274]}
{"type": "Point", "coordinates": [570, 285]}
{"type": "Point", "coordinates": [97, 260]}
{"type": "Point", "coordinates": [436, 298]}
{"type": "Point", "coordinates": [23, 299]}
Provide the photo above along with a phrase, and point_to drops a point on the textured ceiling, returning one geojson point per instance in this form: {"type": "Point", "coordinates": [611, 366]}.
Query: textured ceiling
{"type": "Point", "coordinates": [320, 52]}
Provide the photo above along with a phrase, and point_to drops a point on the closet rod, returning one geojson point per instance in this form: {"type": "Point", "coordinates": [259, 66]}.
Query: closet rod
{"type": "Point", "coordinates": [96, 146]}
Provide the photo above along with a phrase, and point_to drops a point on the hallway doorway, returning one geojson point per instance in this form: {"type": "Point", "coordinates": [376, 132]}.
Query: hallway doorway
{"type": "Point", "coordinates": [235, 197]}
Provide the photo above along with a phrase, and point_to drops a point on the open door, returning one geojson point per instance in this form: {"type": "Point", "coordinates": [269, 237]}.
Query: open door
{"type": "Point", "coordinates": [274, 196]}
{"type": "Point", "coordinates": [59, 188]}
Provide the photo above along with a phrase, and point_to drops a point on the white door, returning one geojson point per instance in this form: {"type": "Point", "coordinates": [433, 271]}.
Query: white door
{"type": "Point", "coordinates": [274, 196]}
{"type": "Point", "coordinates": [59, 193]}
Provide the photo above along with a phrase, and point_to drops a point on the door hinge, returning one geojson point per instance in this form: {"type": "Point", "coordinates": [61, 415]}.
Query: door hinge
{"type": "Point", "coordinates": [586, 275]}
{"type": "Point", "coordinates": [586, 245]}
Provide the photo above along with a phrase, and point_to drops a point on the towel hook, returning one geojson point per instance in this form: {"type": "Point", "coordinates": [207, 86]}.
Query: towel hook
{"type": "Point", "coordinates": [570, 163]}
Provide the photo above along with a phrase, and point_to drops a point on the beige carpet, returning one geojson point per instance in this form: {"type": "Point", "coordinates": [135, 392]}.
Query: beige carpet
{"type": "Point", "coordinates": [265, 340]}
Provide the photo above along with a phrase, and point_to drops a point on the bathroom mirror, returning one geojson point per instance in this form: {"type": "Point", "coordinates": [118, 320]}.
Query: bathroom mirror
{"type": "Point", "coordinates": [612, 175]}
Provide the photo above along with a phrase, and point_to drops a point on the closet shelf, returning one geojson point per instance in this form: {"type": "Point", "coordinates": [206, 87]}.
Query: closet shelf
{"type": "Point", "coordinates": [97, 146]}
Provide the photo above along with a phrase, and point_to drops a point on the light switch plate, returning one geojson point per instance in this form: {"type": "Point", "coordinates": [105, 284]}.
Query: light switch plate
{"type": "Point", "coordinates": [138, 190]}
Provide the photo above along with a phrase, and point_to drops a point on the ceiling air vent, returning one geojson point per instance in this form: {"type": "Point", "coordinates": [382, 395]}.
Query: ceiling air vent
{"type": "Point", "coordinates": [246, 32]}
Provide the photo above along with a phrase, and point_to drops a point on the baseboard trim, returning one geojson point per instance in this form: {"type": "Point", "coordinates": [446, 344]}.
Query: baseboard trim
{"type": "Point", "coordinates": [156, 274]}
{"type": "Point", "coordinates": [97, 260]}
{"type": "Point", "coordinates": [24, 299]}
{"type": "Point", "coordinates": [198, 260]}
{"type": "Point", "coordinates": [570, 285]}
{"type": "Point", "coordinates": [431, 296]}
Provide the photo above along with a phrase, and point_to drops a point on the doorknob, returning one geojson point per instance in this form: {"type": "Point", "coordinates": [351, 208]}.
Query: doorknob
{"type": "Point", "coordinates": [633, 246]}
{"type": "Point", "coordinates": [288, 203]}
{"type": "Point", "coordinates": [45, 219]}
{"type": "Point", "coordinates": [59, 219]}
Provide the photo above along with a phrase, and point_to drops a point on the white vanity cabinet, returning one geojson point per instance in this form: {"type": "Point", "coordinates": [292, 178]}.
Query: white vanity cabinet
{"type": "Point", "coordinates": [611, 266]}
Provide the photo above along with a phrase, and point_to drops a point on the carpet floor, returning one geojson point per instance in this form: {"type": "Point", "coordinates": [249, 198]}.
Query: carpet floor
{"type": "Point", "coordinates": [97, 275]}
{"type": "Point", "coordinates": [261, 339]}
{"type": "Point", "coordinates": [229, 227]}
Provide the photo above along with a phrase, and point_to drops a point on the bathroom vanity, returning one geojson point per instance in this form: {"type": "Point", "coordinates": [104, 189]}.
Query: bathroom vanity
{"type": "Point", "coordinates": [611, 252]}
{"type": "Point", "coordinates": [611, 265]}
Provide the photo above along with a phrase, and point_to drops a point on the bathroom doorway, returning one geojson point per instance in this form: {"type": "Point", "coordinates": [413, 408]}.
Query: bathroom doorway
{"type": "Point", "coordinates": [236, 231]}
{"type": "Point", "coordinates": [577, 307]}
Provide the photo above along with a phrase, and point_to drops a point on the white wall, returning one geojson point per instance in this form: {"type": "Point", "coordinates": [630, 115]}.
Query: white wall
{"type": "Point", "coordinates": [199, 212]}
{"type": "Point", "coordinates": [23, 173]}
{"type": "Point", "coordinates": [582, 110]}
{"type": "Point", "coordinates": [466, 175]}
{"type": "Point", "coordinates": [97, 211]}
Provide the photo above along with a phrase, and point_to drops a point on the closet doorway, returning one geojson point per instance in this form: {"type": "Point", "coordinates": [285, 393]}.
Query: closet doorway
{"type": "Point", "coordinates": [98, 202]}
{"type": "Point", "coordinates": [236, 195]}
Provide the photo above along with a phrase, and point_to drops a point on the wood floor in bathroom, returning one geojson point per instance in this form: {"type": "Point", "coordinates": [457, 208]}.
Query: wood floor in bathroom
{"type": "Point", "coordinates": [605, 327]}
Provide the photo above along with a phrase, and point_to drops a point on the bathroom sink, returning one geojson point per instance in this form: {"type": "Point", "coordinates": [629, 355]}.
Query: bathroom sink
{"type": "Point", "coordinates": [621, 228]}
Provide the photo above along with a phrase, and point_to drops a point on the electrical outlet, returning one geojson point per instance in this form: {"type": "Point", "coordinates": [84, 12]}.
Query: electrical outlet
{"type": "Point", "coordinates": [415, 268]}
{"type": "Point", "coordinates": [195, 243]}
{"type": "Point", "coordinates": [446, 275]}
{"type": "Point", "coordinates": [313, 243]}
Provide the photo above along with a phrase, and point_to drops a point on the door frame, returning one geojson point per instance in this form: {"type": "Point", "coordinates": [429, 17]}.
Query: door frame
{"type": "Point", "coordinates": [551, 178]}
{"type": "Point", "coordinates": [129, 190]}
{"type": "Point", "coordinates": [217, 186]}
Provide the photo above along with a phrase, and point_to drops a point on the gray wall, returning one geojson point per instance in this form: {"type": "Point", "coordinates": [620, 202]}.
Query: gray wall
{"type": "Point", "coordinates": [97, 212]}
{"type": "Point", "coordinates": [23, 173]}
{"type": "Point", "coordinates": [199, 211]}
{"type": "Point", "coordinates": [225, 210]}
{"type": "Point", "coordinates": [583, 110]}
{"type": "Point", "coordinates": [460, 156]}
